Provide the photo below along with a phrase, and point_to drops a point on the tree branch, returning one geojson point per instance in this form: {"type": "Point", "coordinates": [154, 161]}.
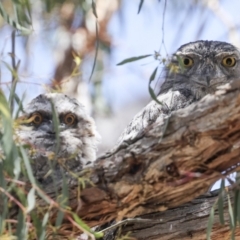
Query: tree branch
{"type": "Point", "coordinates": [186, 222]}
{"type": "Point", "coordinates": [201, 144]}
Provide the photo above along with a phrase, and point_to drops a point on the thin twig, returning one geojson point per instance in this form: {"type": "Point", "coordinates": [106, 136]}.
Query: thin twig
{"type": "Point", "coordinates": [13, 199]}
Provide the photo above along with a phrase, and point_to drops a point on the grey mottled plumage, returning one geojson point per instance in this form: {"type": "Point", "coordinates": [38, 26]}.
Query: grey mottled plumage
{"type": "Point", "coordinates": [201, 67]}
{"type": "Point", "coordinates": [78, 137]}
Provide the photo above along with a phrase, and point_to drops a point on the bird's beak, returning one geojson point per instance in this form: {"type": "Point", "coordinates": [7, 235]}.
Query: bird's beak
{"type": "Point", "coordinates": [47, 127]}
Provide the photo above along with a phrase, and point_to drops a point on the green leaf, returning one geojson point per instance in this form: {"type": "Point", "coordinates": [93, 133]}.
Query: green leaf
{"type": "Point", "coordinates": [4, 200]}
{"type": "Point", "coordinates": [11, 22]}
{"type": "Point", "coordinates": [65, 193]}
{"type": "Point", "coordinates": [44, 223]}
{"type": "Point", "coordinates": [235, 206]}
{"type": "Point", "coordinates": [221, 202]}
{"type": "Point", "coordinates": [233, 234]}
{"type": "Point", "coordinates": [28, 7]}
{"type": "Point", "coordinates": [151, 91]}
{"type": "Point", "coordinates": [238, 210]}
{"type": "Point", "coordinates": [210, 222]}
{"type": "Point", "coordinates": [96, 53]}
{"type": "Point", "coordinates": [237, 192]}
{"type": "Point", "coordinates": [21, 14]}
{"type": "Point", "coordinates": [45, 219]}
{"type": "Point", "coordinates": [4, 108]}
{"type": "Point", "coordinates": [230, 210]}
{"type": "Point", "coordinates": [94, 8]}
{"type": "Point", "coordinates": [27, 165]}
{"type": "Point", "coordinates": [31, 200]}
{"type": "Point", "coordinates": [20, 104]}
{"type": "Point", "coordinates": [140, 6]}
{"type": "Point", "coordinates": [132, 59]}
{"type": "Point", "coordinates": [59, 219]}
{"type": "Point", "coordinates": [86, 227]}
{"type": "Point", "coordinates": [49, 5]}
{"type": "Point", "coordinates": [153, 75]}
{"type": "Point", "coordinates": [7, 138]}
{"type": "Point", "coordinates": [37, 223]}
{"type": "Point", "coordinates": [21, 226]}
{"type": "Point", "coordinates": [63, 201]}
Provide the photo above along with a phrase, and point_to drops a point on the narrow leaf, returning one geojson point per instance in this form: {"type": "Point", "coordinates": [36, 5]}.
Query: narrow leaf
{"type": "Point", "coordinates": [27, 165]}
{"type": "Point", "coordinates": [21, 226]}
{"type": "Point", "coordinates": [230, 210]}
{"type": "Point", "coordinates": [37, 222]}
{"type": "Point", "coordinates": [235, 206]}
{"type": "Point", "coordinates": [44, 223]}
{"type": "Point", "coordinates": [153, 75]}
{"type": "Point", "coordinates": [4, 109]}
{"type": "Point", "coordinates": [7, 138]}
{"type": "Point", "coordinates": [151, 91]}
{"type": "Point", "coordinates": [238, 211]}
{"type": "Point", "coordinates": [86, 227]}
{"type": "Point", "coordinates": [31, 200]}
{"type": "Point", "coordinates": [11, 22]}
{"type": "Point", "coordinates": [96, 53]}
{"type": "Point", "coordinates": [45, 219]}
{"type": "Point", "coordinates": [221, 202]}
{"type": "Point", "coordinates": [20, 104]}
{"type": "Point", "coordinates": [59, 219]}
{"type": "Point", "coordinates": [210, 222]}
{"type": "Point", "coordinates": [233, 234]}
{"type": "Point", "coordinates": [63, 201]}
{"type": "Point", "coordinates": [132, 59]}
{"type": "Point", "coordinates": [237, 181]}
{"type": "Point", "coordinates": [94, 8]}
{"type": "Point", "coordinates": [140, 6]}
{"type": "Point", "coordinates": [28, 7]}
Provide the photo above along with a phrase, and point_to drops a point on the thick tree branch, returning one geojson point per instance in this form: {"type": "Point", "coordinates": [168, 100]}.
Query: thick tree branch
{"type": "Point", "coordinates": [165, 169]}
{"type": "Point", "coordinates": [186, 222]}
{"type": "Point", "coordinates": [158, 171]}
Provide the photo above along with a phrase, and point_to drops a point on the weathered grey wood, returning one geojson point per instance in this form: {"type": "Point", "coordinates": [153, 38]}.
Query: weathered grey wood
{"type": "Point", "coordinates": [200, 142]}
{"type": "Point", "coordinates": [165, 169]}
{"type": "Point", "coordinates": [186, 222]}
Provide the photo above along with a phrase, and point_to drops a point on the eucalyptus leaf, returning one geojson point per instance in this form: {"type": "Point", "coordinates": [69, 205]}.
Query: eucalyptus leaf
{"type": "Point", "coordinates": [12, 22]}
{"type": "Point", "coordinates": [132, 59]}
{"type": "Point", "coordinates": [96, 53]}
{"type": "Point", "coordinates": [151, 91]}
{"type": "Point", "coordinates": [221, 202]}
{"type": "Point", "coordinates": [44, 223]}
{"type": "Point", "coordinates": [94, 9]}
{"type": "Point", "coordinates": [230, 210]}
{"type": "Point", "coordinates": [21, 226]}
{"type": "Point", "coordinates": [86, 227]}
{"type": "Point", "coordinates": [140, 6]}
{"type": "Point", "coordinates": [27, 165]}
{"type": "Point", "coordinates": [210, 222]}
{"type": "Point", "coordinates": [31, 200]}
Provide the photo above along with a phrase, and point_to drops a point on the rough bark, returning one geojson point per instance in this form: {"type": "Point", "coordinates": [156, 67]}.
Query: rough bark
{"type": "Point", "coordinates": [186, 222]}
{"type": "Point", "coordinates": [169, 164]}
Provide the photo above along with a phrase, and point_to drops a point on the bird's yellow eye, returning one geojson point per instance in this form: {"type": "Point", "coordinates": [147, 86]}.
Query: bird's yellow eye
{"type": "Point", "coordinates": [229, 61]}
{"type": "Point", "coordinates": [69, 119]}
{"type": "Point", "coordinates": [36, 118]}
{"type": "Point", "coordinates": [187, 61]}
